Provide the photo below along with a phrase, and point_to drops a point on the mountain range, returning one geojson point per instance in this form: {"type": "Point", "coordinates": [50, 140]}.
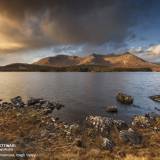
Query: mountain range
{"type": "Point", "coordinates": [93, 62]}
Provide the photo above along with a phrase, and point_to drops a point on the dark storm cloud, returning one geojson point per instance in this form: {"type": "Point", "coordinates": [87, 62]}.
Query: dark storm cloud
{"type": "Point", "coordinates": [43, 23]}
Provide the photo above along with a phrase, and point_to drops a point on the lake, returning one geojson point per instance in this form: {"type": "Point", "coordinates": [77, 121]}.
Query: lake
{"type": "Point", "coordinates": [85, 93]}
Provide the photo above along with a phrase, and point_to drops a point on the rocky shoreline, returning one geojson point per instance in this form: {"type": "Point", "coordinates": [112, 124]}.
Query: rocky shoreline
{"type": "Point", "coordinates": [34, 129]}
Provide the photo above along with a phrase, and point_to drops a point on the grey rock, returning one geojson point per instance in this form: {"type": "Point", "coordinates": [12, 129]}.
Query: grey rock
{"type": "Point", "coordinates": [100, 124]}
{"type": "Point", "coordinates": [49, 105]}
{"type": "Point", "coordinates": [130, 136]}
{"type": "Point", "coordinates": [33, 101]}
{"type": "Point", "coordinates": [104, 124]}
{"type": "Point", "coordinates": [42, 101]}
{"type": "Point", "coordinates": [17, 101]}
{"type": "Point", "coordinates": [142, 121]}
{"type": "Point", "coordinates": [120, 124]}
{"type": "Point", "coordinates": [108, 144]}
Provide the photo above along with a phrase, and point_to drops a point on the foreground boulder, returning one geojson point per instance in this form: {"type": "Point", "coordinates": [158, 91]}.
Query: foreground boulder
{"type": "Point", "coordinates": [130, 136]}
{"type": "Point", "coordinates": [124, 98]}
{"type": "Point", "coordinates": [100, 124]}
{"type": "Point", "coordinates": [155, 98]}
{"type": "Point", "coordinates": [104, 125]}
{"type": "Point", "coordinates": [142, 121]}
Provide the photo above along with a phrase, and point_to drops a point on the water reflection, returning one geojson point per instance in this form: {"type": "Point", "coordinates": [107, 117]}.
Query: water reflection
{"type": "Point", "coordinates": [84, 93]}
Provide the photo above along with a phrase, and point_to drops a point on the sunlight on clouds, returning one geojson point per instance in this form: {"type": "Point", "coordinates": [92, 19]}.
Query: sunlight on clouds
{"type": "Point", "coordinates": [6, 22]}
{"type": "Point", "coordinates": [154, 50]}
{"type": "Point", "coordinates": [10, 45]}
{"type": "Point", "coordinates": [7, 41]}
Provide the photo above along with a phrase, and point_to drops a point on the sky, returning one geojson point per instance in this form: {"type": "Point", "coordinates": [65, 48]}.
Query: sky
{"type": "Point", "coordinates": [33, 29]}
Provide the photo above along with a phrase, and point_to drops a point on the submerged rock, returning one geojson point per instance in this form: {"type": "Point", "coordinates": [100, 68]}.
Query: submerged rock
{"type": "Point", "coordinates": [112, 109]}
{"type": "Point", "coordinates": [155, 98]}
{"type": "Point", "coordinates": [130, 136]}
{"type": "Point", "coordinates": [124, 98]}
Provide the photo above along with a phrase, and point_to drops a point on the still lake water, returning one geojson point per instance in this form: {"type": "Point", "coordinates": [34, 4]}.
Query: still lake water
{"type": "Point", "coordinates": [85, 93]}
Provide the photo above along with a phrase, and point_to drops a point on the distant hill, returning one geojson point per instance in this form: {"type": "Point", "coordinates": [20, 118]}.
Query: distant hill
{"type": "Point", "coordinates": [25, 67]}
{"type": "Point", "coordinates": [90, 63]}
{"type": "Point", "coordinates": [124, 60]}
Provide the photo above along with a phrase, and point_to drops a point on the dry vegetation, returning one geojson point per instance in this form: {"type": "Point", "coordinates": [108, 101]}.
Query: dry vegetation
{"type": "Point", "coordinates": [28, 129]}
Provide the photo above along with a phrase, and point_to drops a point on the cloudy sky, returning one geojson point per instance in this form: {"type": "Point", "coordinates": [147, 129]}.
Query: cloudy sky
{"type": "Point", "coordinates": [32, 29]}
